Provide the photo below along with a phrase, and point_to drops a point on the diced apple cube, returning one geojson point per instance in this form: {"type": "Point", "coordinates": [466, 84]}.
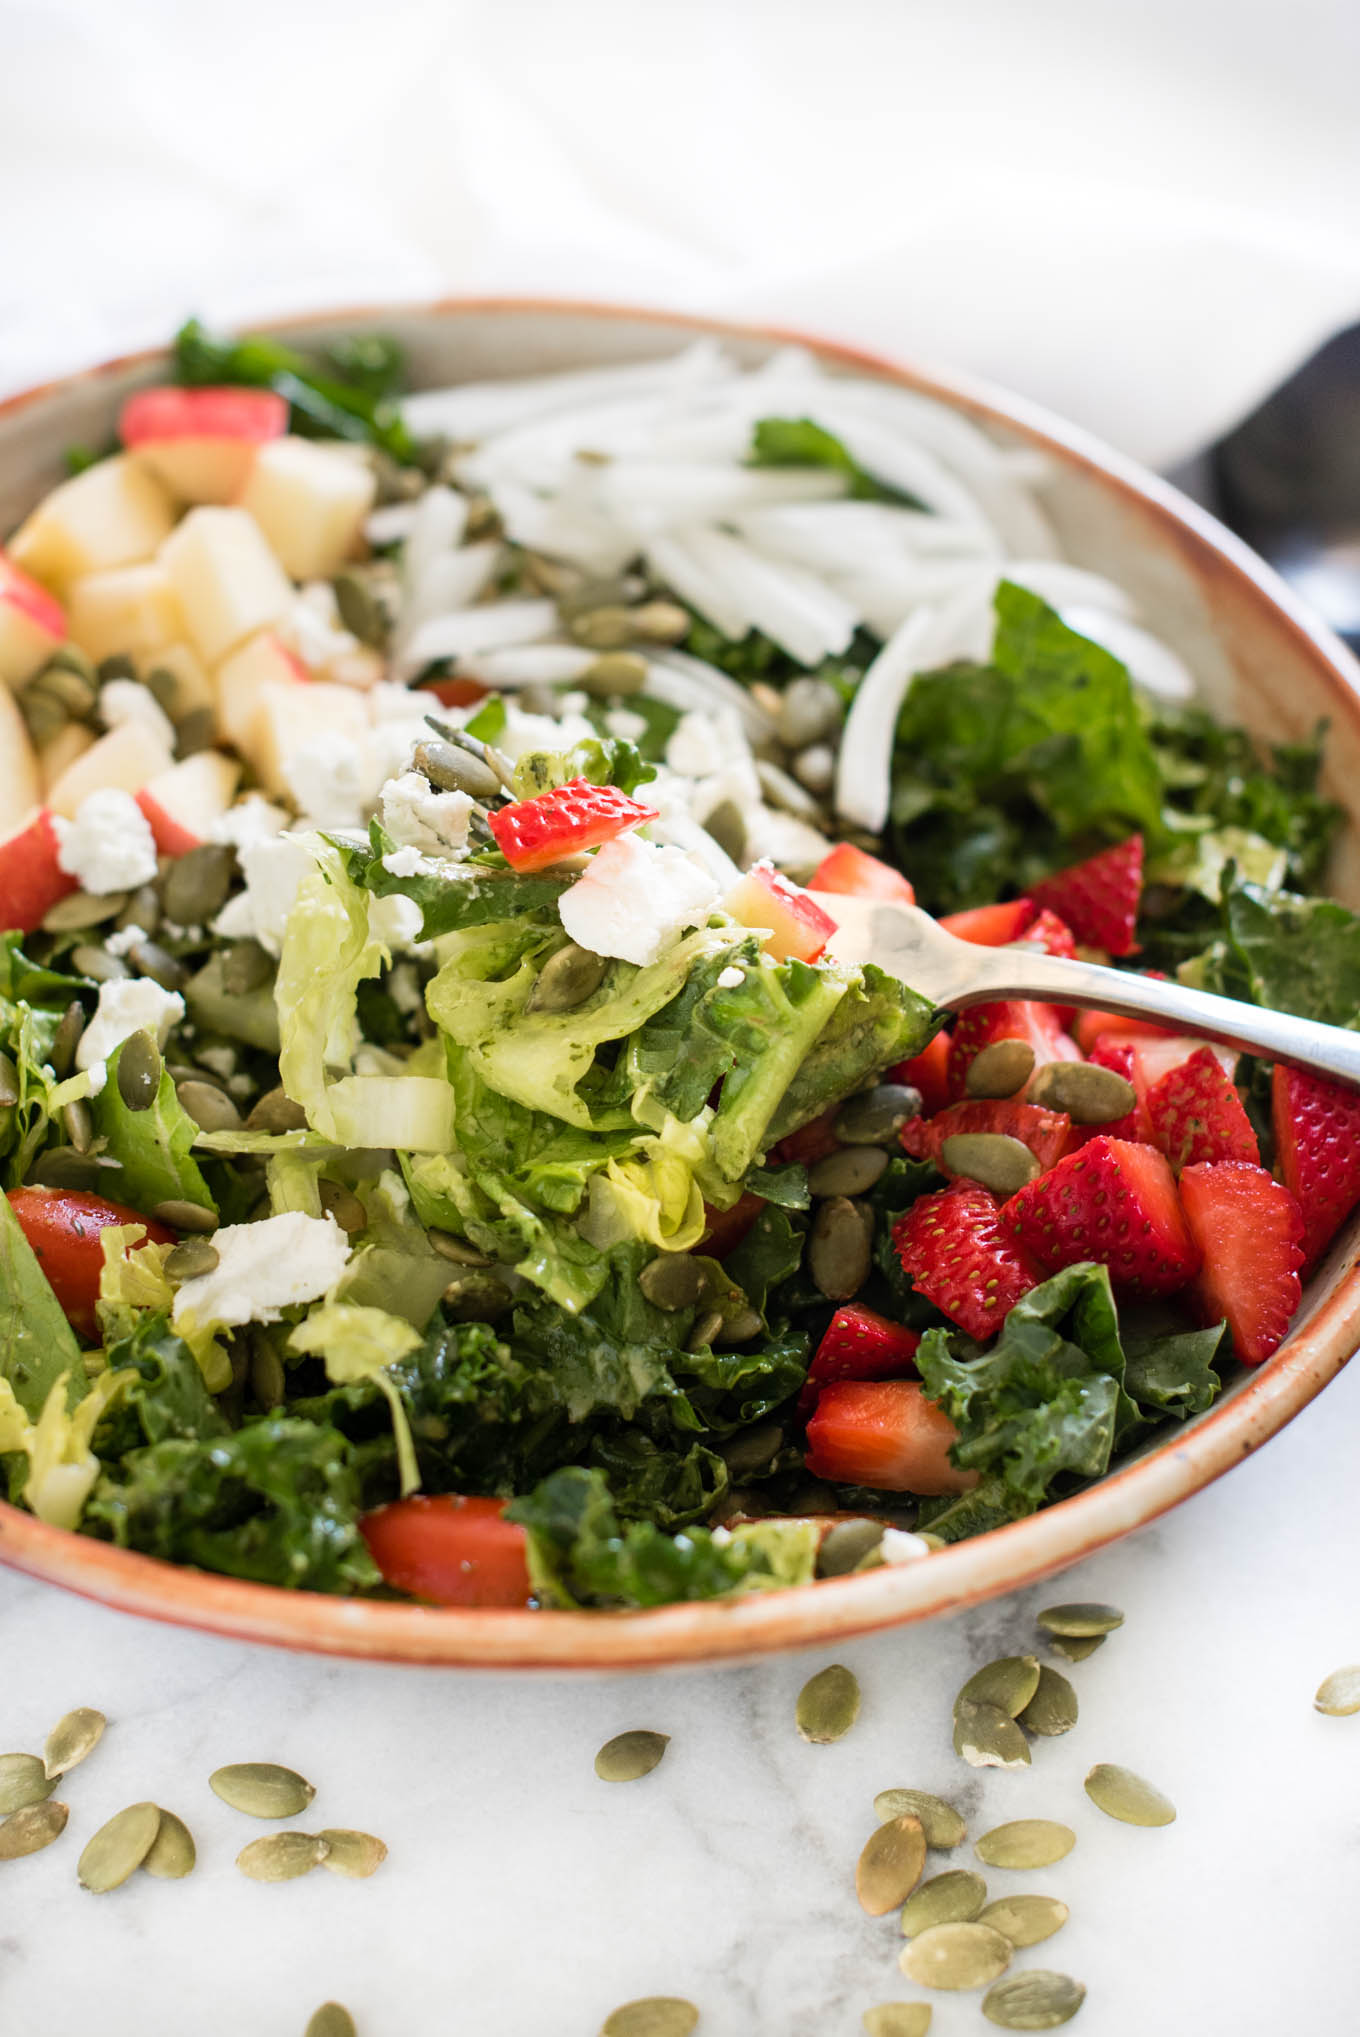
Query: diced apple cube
{"type": "Point", "coordinates": [764, 898]}
{"type": "Point", "coordinates": [182, 803]}
{"type": "Point", "coordinates": [114, 514]}
{"type": "Point", "coordinates": [201, 442]}
{"type": "Point", "coordinates": [126, 759]}
{"type": "Point", "coordinates": [310, 501]}
{"type": "Point", "coordinates": [291, 716]}
{"type": "Point", "coordinates": [32, 624]}
{"type": "Point", "coordinates": [20, 778]}
{"type": "Point", "coordinates": [57, 756]}
{"type": "Point", "coordinates": [31, 881]}
{"type": "Point", "coordinates": [130, 609]}
{"type": "Point", "coordinates": [228, 581]}
{"type": "Point", "coordinates": [193, 683]}
{"type": "Point", "coordinates": [241, 678]}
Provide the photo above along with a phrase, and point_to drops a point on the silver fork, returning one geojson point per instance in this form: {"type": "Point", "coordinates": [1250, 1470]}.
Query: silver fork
{"type": "Point", "coordinates": [908, 943]}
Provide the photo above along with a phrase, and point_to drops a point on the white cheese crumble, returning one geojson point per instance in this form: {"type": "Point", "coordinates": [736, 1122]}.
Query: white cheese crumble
{"type": "Point", "coordinates": [624, 723]}
{"type": "Point", "coordinates": [252, 819]}
{"type": "Point", "coordinates": [124, 700]}
{"type": "Point", "coordinates": [418, 817]}
{"type": "Point", "coordinates": [325, 776]}
{"type": "Point", "coordinates": [109, 845]}
{"type": "Point", "coordinates": [634, 898]}
{"type": "Point", "coordinates": [133, 1004]}
{"type": "Point", "coordinates": [312, 627]}
{"type": "Point", "coordinates": [406, 862]}
{"type": "Point", "coordinates": [731, 978]}
{"type": "Point", "coordinates": [273, 868]}
{"type": "Point", "coordinates": [264, 1268]}
{"type": "Point", "coordinates": [900, 1546]}
{"type": "Point", "coordinates": [125, 939]}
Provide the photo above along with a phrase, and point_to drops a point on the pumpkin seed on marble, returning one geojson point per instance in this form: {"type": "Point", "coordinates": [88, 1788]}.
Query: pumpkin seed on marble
{"type": "Point", "coordinates": [943, 1827]}
{"type": "Point", "coordinates": [1053, 1708]}
{"type": "Point", "coordinates": [1025, 1920]}
{"type": "Point", "coordinates": [890, 1865]}
{"type": "Point", "coordinates": [1009, 1682]}
{"type": "Point", "coordinates": [845, 1546]}
{"type": "Point", "coordinates": [955, 1897]}
{"type": "Point", "coordinates": [628, 1756]}
{"type": "Point", "coordinates": [956, 1956]}
{"type": "Point", "coordinates": [1338, 1695]}
{"type": "Point", "coordinates": [355, 1855]}
{"type": "Point", "coordinates": [1089, 1094]}
{"type": "Point", "coordinates": [1025, 1842]}
{"type": "Point", "coordinates": [173, 1853]}
{"type": "Point", "coordinates": [828, 1705]}
{"type": "Point", "coordinates": [262, 1789]}
{"type": "Point", "coordinates": [1000, 1163]}
{"type": "Point", "coordinates": [987, 1737]}
{"type": "Point", "coordinates": [185, 1216]}
{"type": "Point", "coordinates": [851, 1171]}
{"type": "Point", "coordinates": [897, 2019]}
{"type": "Point", "coordinates": [1033, 2001]}
{"type": "Point", "coordinates": [874, 1117]}
{"type": "Point", "coordinates": [1000, 1069]}
{"type": "Point", "coordinates": [29, 1830]}
{"type": "Point", "coordinates": [118, 1848]}
{"type": "Point", "coordinates": [1081, 1620]}
{"type": "Point", "coordinates": [1122, 1794]}
{"type": "Point", "coordinates": [652, 2016]}
{"type": "Point", "coordinates": [139, 1071]}
{"type": "Point", "coordinates": [1076, 1647]}
{"type": "Point", "coordinates": [23, 1781]}
{"type": "Point", "coordinates": [282, 1856]}
{"type": "Point", "coordinates": [332, 2019]}
{"type": "Point", "coordinates": [71, 1739]}
{"type": "Point", "coordinates": [839, 1247]}
{"type": "Point", "coordinates": [567, 979]}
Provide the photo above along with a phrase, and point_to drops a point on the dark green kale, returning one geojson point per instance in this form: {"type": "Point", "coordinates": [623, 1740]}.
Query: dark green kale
{"type": "Point", "coordinates": [351, 393]}
{"type": "Point", "coordinates": [581, 1554]}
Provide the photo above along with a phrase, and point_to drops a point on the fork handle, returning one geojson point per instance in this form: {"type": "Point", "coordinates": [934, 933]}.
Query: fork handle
{"type": "Point", "coordinates": [1274, 1035]}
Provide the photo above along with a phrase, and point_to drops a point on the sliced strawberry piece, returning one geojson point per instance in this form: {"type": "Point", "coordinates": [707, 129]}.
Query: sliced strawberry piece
{"type": "Point", "coordinates": [958, 1253]}
{"type": "Point", "coordinates": [1317, 1145]}
{"type": "Point", "coordinates": [991, 926]}
{"type": "Point", "coordinates": [1113, 1202]}
{"type": "Point", "coordinates": [1045, 1132]}
{"type": "Point", "coordinates": [1198, 1117]}
{"type": "Point", "coordinates": [725, 1228]}
{"type": "Point", "coordinates": [884, 1433]}
{"type": "Point", "coordinates": [1099, 898]}
{"type": "Point", "coordinates": [764, 897]}
{"type": "Point", "coordinates": [533, 833]}
{"type": "Point", "coordinates": [850, 870]}
{"type": "Point", "coordinates": [928, 1072]}
{"type": "Point", "coordinates": [812, 1141]}
{"type": "Point", "coordinates": [1154, 1056]}
{"type": "Point", "coordinates": [1048, 933]}
{"type": "Point", "coordinates": [1250, 1231]}
{"type": "Point", "coordinates": [1011, 1019]}
{"type": "Point", "coordinates": [859, 1344]}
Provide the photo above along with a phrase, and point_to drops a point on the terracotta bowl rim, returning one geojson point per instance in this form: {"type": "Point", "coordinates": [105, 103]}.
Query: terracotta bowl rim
{"type": "Point", "coordinates": [1004, 1559]}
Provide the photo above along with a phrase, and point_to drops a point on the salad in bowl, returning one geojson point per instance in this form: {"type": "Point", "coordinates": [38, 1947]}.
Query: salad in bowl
{"type": "Point", "coordinates": [443, 1157]}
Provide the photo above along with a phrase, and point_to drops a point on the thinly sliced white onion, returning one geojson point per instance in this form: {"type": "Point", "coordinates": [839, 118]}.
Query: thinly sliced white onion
{"type": "Point", "coordinates": [1152, 664]}
{"type": "Point", "coordinates": [848, 537]}
{"type": "Point", "coordinates": [448, 582]}
{"type": "Point", "coordinates": [528, 665]}
{"type": "Point", "coordinates": [674, 560]}
{"type": "Point", "coordinates": [1061, 586]}
{"type": "Point", "coordinates": [687, 491]}
{"type": "Point", "coordinates": [684, 682]}
{"type": "Point", "coordinates": [565, 529]}
{"type": "Point", "coordinates": [886, 594]}
{"type": "Point", "coordinates": [794, 608]}
{"type": "Point", "coordinates": [392, 524]}
{"type": "Point", "coordinates": [477, 629]}
{"type": "Point", "coordinates": [472, 410]}
{"type": "Point", "coordinates": [441, 519]}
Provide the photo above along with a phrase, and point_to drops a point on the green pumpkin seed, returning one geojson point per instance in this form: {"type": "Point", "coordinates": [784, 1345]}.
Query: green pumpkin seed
{"type": "Point", "coordinates": [652, 2016]}
{"type": "Point", "coordinates": [194, 731]}
{"type": "Point", "coordinates": [1338, 1695]}
{"type": "Point", "coordinates": [1009, 1682]}
{"type": "Point", "coordinates": [1089, 1094]}
{"type": "Point", "coordinates": [674, 1280]}
{"type": "Point", "coordinates": [845, 1547]}
{"type": "Point", "coordinates": [159, 964]}
{"type": "Point", "coordinates": [30, 1829]}
{"type": "Point", "coordinates": [23, 1781]}
{"type": "Point", "coordinates": [1002, 1069]}
{"type": "Point", "coordinates": [944, 1828]}
{"type": "Point", "coordinates": [78, 1123]}
{"type": "Point", "coordinates": [277, 1112]}
{"type": "Point", "coordinates": [92, 962]}
{"type": "Point", "coordinates": [567, 979]}
{"type": "Point", "coordinates": [355, 1855]}
{"type": "Point", "coordinates": [752, 1449]}
{"type": "Point", "coordinates": [726, 824]}
{"type": "Point", "coordinates": [828, 1705]}
{"type": "Point", "coordinates": [890, 1865]}
{"type": "Point", "coordinates": [1053, 1708]}
{"type": "Point", "coordinates": [1076, 1647]}
{"type": "Point", "coordinates": [185, 1216]}
{"type": "Point", "coordinates": [246, 966]}
{"type": "Point", "coordinates": [451, 769]}
{"type": "Point", "coordinates": [72, 915]}
{"type": "Point", "coordinates": [1025, 1920]}
{"type": "Point", "coordinates": [956, 1956]}
{"type": "Point", "coordinates": [809, 711]}
{"type": "Point", "coordinates": [1122, 1794]}
{"type": "Point", "coordinates": [344, 1205]}
{"type": "Point", "coordinates": [608, 628]}
{"type": "Point", "coordinates": [44, 715]}
{"type": "Point", "coordinates": [1080, 1621]}
{"type": "Point", "coordinates": [897, 2019]}
{"type": "Point", "coordinates": [629, 1756]}
{"type": "Point", "coordinates": [875, 1117]}
{"type": "Point", "coordinates": [67, 1039]}
{"type": "Point", "coordinates": [955, 1897]}
{"type": "Point", "coordinates": [851, 1171]}
{"type": "Point", "coordinates": [139, 1071]}
{"type": "Point", "coordinates": [987, 1737]}
{"type": "Point", "coordinates": [332, 2019]}
{"type": "Point", "coordinates": [739, 1325]}
{"type": "Point", "coordinates": [118, 1848]}
{"type": "Point", "coordinates": [839, 1247]}
{"type": "Point", "coordinates": [63, 1167]}
{"type": "Point", "coordinates": [1000, 1163]}
{"type": "Point", "coordinates": [1033, 2001]}
{"type": "Point", "coordinates": [661, 622]}
{"type": "Point", "coordinates": [71, 1739]}
{"type": "Point", "coordinates": [615, 674]}
{"type": "Point", "coordinates": [196, 886]}
{"type": "Point", "coordinates": [211, 1109]}
{"type": "Point", "coordinates": [361, 611]}
{"type": "Point", "coordinates": [191, 1259]}
{"type": "Point", "coordinates": [706, 1331]}
{"type": "Point", "coordinates": [268, 1380]}
{"type": "Point", "coordinates": [282, 1856]}
{"type": "Point", "coordinates": [477, 1297]}
{"type": "Point", "coordinates": [173, 1853]}
{"type": "Point", "coordinates": [1025, 1842]}
{"type": "Point", "coordinates": [261, 1789]}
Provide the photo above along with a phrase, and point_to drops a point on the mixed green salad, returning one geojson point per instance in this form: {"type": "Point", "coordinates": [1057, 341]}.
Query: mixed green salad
{"type": "Point", "coordinates": [442, 1154]}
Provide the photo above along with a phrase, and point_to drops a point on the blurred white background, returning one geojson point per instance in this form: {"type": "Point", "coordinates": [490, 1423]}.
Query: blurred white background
{"type": "Point", "coordinates": [1142, 214]}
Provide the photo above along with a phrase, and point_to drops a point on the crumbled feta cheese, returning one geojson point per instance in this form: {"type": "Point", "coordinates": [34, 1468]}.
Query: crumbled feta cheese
{"type": "Point", "coordinates": [387, 702]}
{"type": "Point", "coordinates": [701, 744]}
{"type": "Point", "coordinates": [221, 1060]}
{"type": "Point", "coordinates": [264, 1268]}
{"type": "Point", "coordinates": [132, 1004]}
{"type": "Point", "coordinates": [396, 922]}
{"type": "Point", "coordinates": [403, 987]}
{"type": "Point", "coordinates": [524, 732]}
{"type": "Point", "coordinates": [252, 819]}
{"type": "Point", "coordinates": [325, 776]}
{"type": "Point", "coordinates": [634, 898]}
{"type": "Point", "coordinates": [125, 939]}
{"type": "Point", "coordinates": [109, 845]}
{"type": "Point", "coordinates": [273, 869]}
{"type": "Point", "coordinates": [731, 978]}
{"type": "Point", "coordinates": [899, 1546]}
{"type": "Point", "coordinates": [418, 817]}
{"type": "Point", "coordinates": [405, 862]}
{"type": "Point", "coordinates": [625, 724]}
{"type": "Point", "coordinates": [783, 839]}
{"type": "Point", "coordinates": [124, 700]}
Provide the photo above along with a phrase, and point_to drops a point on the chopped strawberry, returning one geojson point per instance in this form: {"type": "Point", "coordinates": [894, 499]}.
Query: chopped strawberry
{"type": "Point", "coordinates": [849, 870]}
{"type": "Point", "coordinates": [1250, 1231]}
{"type": "Point", "coordinates": [859, 1344]}
{"type": "Point", "coordinates": [1048, 933]}
{"type": "Point", "coordinates": [1137, 1126]}
{"type": "Point", "coordinates": [812, 1141]}
{"type": "Point", "coordinates": [1317, 1145]}
{"type": "Point", "coordinates": [1155, 1055]}
{"type": "Point", "coordinates": [764, 897]}
{"type": "Point", "coordinates": [532, 833]}
{"type": "Point", "coordinates": [1099, 898]}
{"type": "Point", "coordinates": [724, 1229]}
{"type": "Point", "coordinates": [1011, 1019]}
{"type": "Point", "coordinates": [1197, 1115]}
{"type": "Point", "coordinates": [455, 692]}
{"type": "Point", "coordinates": [927, 1072]}
{"type": "Point", "coordinates": [955, 1247]}
{"type": "Point", "coordinates": [884, 1433]}
{"type": "Point", "coordinates": [990, 926]}
{"type": "Point", "coordinates": [1045, 1132]}
{"type": "Point", "coordinates": [1114, 1202]}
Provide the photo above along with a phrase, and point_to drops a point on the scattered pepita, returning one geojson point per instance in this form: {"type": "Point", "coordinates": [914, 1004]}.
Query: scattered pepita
{"type": "Point", "coordinates": [196, 885]}
{"type": "Point", "coordinates": [262, 1789]}
{"type": "Point", "coordinates": [1053, 1708]}
{"type": "Point", "coordinates": [1000, 1163]}
{"type": "Point", "coordinates": [67, 1038]}
{"type": "Point", "coordinates": [282, 1856]}
{"type": "Point", "coordinates": [955, 1897]}
{"type": "Point", "coordinates": [615, 673]}
{"type": "Point", "coordinates": [344, 1205]}
{"type": "Point", "coordinates": [1122, 1794]}
{"type": "Point", "coordinates": [1090, 1094]}
{"type": "Point", "coordinates": [173, 1853]}
{"type": "Point", "coordinates": [943, 1827]}
{"type": "Point", "coordinates": [652, 2016]}
{"type": "Point", "coordinates": [839, 1248]}
{"type": "Point", "coordinates": [987, 1737]}
{"type": "Point", "coordinates": [23, 1781]}
{"type": "Point", "coordinates": [32, 1828]}
{"type": "Point", "coordinates": [450, 769]}
{"type": "Point", "coordinates": [851, 1171]}
{"type": "Point", "coordinates": [874, 1117]}
{"type": "Point", "coordinates": [118, 1848]}
{"type": "Point", "coordinates": [71, 1739]}
{"type": "Point", "coordinates": [1080, 1621]}
{"type": "Point", "coordinates": [956, 1956]}
{"type": "Point", "coordinates": [1033, 2001]}
{"type": "Point", "coordinates": [890, 1865]}
{"type": "Point", "coordinates": [674, 1280]}
{"type": "Point", "coordinates": [897, 2019]}
{"type": "Point", "coordinates": [185, 1216]}
{"type": "Point", "coordinates": [355, 1855]}
{"type": "Point", "coordinates": [1025, 1842]}
{"type": "Point", "coordinates": [211, 1109]}
{"type": "Point", "coordinates": [1076, 1647]}
{"type": "Point", "coordinates": [1009, 1683]}
{"type": "Point", "coordinates": [332, 2019]}
{"type": "Point", "coordinates": [139, 1071]}
{"type": "Point", "coordinates": [828, 1705]}
{"type": "Point", "coordinates": [845, 1547]}
{"type": "Point", "coordinates": [1338, 1695]}
{"type": "Point", "coordinates": [246, 966]}
{"type": "Point", "coordinates": [1025, 1920]}
{"type": "Point", "coordinates": [629, 1756]}
{"type": "Point", "coordinates": [567, 979]}
{"type": "Point", "coordinates": [1000, 1070]}
{"type": "Point", "coordinates": [190, 1259]}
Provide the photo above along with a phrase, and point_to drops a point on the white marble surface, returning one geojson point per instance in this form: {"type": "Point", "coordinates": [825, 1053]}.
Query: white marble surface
{"type": "Point", "coordinates": [523, 1898]}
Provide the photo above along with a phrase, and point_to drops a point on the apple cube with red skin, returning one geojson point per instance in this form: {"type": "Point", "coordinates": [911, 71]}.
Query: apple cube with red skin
{"type": "Point", "coordinates": [799, 929]}
{"type": "Point", "coordinates": [32, 624]}
{"type": "Point", "coordinates": [31, 880]}
{"type": "Point", "coordinates": [56, 758]}
{"type": "Point", "coordinates": [202, 443]}
{"type": "Point", "coordinates": [129, 609]}
{"type": "Point", "coordinates": [264, 660]}
{"type": "Point", "coordinates": [228, 581]}
{"type": "Point", "coordinates": [114, 514]}
{"type": "Point", "coordinates": [20, 774]}
{"type": "Point", "coordinates": [310, 501]}
{"type": "Point", "coordinates": [182, 803]}
{"type": "Point", "coordinates": [125, 760]}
